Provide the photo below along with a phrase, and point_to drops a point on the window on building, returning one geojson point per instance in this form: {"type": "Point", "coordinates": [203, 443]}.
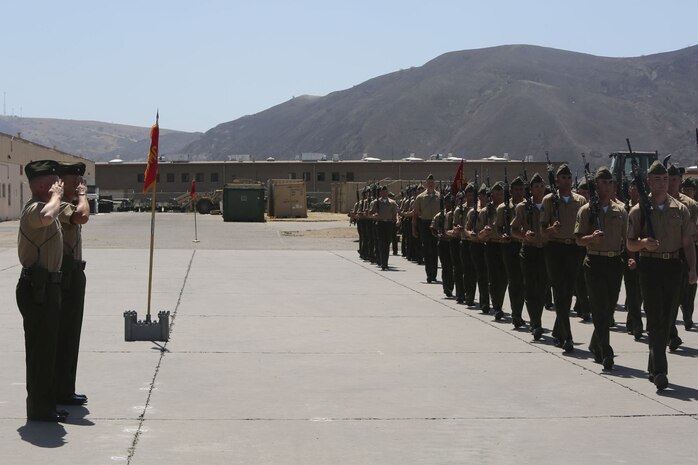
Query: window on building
{"type": "Point", "coordinates": [350, 176]}
{"type": "Point", "coordinates": [170, 177]}
{"type": "Point", "coordinates": [321, 176]}
{"type": "Point", "coordinates": [157, 177]}
{"type": "Point", "coordinates": [291, 175]}
{"type": "Point", "coordinates": [306, 176]}
{"type": "Point", "coordinates": [214, 177]}
{"type": "Point", "coordinates": [21, 170]}
{"type": "Point", "coordinates": [335, 176]}
{"type": "Point", "coordinates": [199, 177]}
{"type": "Point", "coordinates": [3, 191]}
{"type": "Point", "coordinates": [185, 177]}
{"type": "Point", "coordinates": [140, 178]}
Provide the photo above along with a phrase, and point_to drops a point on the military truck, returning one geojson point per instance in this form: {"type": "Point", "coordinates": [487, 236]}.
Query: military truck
{"type": "Point", "coordinates": [206, 202]}
{"type": "Point", "coordinates": [621, 167]}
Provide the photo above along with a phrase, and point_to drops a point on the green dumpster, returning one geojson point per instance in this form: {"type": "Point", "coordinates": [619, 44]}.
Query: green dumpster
{"type": "Point", "coordinates": [243, 202]}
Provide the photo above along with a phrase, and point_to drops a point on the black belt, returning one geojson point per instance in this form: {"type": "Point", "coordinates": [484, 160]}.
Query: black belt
{"type": "Point", "coordinates": [563, 241]}
{"type": "Point", "coordinates": [53, 276]}
{"type": "Point", "coordinates": [660, 255]}
{"type": "Point", "coordinates": [80, 265]}
{"type": "Point", "coordinates": [609, 254]}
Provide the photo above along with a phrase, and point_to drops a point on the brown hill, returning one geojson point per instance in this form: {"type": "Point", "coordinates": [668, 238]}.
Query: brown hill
{"type": "Point", "coordinates": [518, 99]}
{"type": "Point", "coordinates": [96, 140]}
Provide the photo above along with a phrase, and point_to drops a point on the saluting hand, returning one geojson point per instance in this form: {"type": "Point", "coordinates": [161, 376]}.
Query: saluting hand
{"type": "Point", "coordinates": [57, 188]}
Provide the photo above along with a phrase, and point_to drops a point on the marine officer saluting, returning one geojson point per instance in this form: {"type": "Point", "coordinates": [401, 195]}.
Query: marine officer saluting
{"type": "Point", "coordinates": [74, 212]}
{"type": "Point", "coordinates": [603, 233]}
{"type": "Point", "coordinates": [38, 293]}
{"type": "Point", "coordinates": [657, 233]}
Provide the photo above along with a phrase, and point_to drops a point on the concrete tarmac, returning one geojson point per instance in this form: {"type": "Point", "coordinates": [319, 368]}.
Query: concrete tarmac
{"type": "Point", "coordinates": [287, 349]}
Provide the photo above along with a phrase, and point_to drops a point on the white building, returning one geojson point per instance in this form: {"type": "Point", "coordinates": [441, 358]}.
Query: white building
{"type": "Point", "coordinates": [15, 153]}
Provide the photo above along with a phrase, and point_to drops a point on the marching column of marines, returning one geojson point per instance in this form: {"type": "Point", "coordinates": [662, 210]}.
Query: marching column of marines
{"type": "Point", "coordinates": [576, 238]}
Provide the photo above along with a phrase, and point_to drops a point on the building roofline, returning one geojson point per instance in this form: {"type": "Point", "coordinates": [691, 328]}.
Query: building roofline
{"type": "Point", "coordinates": [302, 162]}
{"type": "Point", "coordinates": [44, 146]}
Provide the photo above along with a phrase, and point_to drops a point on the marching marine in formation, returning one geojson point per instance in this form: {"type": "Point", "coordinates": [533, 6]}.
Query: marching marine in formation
{"type": "Point", "coordinates": [511, 249]}
{"type": "Point", "coordinates": [631, 281]}
{"type": "Point", "coordinates": [492, 237]}
{"type": "Point", "coordinates": [473, 224]}
{"type": "Point", "coordinates": [675, 173]}
{"type": "Point", "coordinates": [467, 202]}
{"type": "Point", "coordinates": [441, 227]}
{"type": "Point", "coordinates": [601, 228]}
{"type": "Point", "coordinates": [384, 211]}
{"type": "Point", "coordinates": [526, 227]}
{"type": "Point", "coordinates": [563, 257]}
{"type": "Point", "coordinates": [658, 227]}
{"type": "Point", "coordinates": [426, 206]}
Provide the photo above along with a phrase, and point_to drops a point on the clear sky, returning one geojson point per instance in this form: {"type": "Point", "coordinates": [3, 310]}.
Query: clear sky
{"type": "Point", "coordinates": [205, 62]}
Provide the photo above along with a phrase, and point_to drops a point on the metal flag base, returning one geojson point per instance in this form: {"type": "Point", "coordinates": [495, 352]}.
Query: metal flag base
{"type": "Point", "coordinates": [146, 330]}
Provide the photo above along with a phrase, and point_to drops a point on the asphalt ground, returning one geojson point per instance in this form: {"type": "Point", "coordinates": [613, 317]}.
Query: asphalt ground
{"type": "Point", "coordinates": [286, 348]}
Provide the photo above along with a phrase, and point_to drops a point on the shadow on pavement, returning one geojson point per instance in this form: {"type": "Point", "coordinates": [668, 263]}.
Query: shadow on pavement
{"type": "Point", "coordinates": [621, 371]}
{"type": "Point", "coordinates": [684, 351]}
{"type": "Point", "coordinates": [677, 391]}
{"type": "Point", "coordinates": [77, 416]}
{"type": "Point", "coordinates": [41, 434]}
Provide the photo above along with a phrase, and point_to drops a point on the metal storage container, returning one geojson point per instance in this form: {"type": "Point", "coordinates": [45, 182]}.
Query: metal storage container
{"type": "Point", "coordinates": [243, 202]}
{"type": "Point", "coordinates": [287, 198]}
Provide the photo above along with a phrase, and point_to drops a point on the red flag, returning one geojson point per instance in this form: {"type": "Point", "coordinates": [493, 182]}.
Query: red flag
{"type": "Point", "coordinates": [192, 191]}
{"type": "Point", "coordinates": [458, 180]}
{"type": "Point", "coordinates": [151, 169]}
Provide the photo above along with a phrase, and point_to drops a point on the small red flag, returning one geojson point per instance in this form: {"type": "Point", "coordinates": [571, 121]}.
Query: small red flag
{"type": "Point", "coordinates": [192, 191]}
{"type": "Point", "coordinates": [458, 180]}
{"type": "Point", "coordinates": [151, 169]}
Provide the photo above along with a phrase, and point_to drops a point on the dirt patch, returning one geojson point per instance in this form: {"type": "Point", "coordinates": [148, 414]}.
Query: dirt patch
{"type": "Point", "coordinates": [314, 217]}
{"type": "Point", "coordinates": [330, 233]}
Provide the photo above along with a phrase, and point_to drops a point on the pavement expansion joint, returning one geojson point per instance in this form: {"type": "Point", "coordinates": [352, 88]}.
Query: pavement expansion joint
{"type": "Point", "coordinates": [328, 317]}
{"type": "Point", "coordinates": [536, 344]}
{"type": "Point", "coordinates": [163, 352]}
{"type": "Point", "coordinates": [405, 419]}
{"type": "Point", "coordinates": [367, 352]}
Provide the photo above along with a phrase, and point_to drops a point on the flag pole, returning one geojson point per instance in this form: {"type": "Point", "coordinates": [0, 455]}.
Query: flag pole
{"type": "Point", "coordinates": [152, 243]}
{"type": "Point", "coordinates": [196, 236]}
{"type": "Point", "coordinates": [135, 330]}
